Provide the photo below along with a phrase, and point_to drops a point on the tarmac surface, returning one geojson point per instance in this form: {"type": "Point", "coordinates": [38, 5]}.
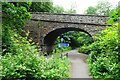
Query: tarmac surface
{"type": "Point", "coordinates": [79, 66]}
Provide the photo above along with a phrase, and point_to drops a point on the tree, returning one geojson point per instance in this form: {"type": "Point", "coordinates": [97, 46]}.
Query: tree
{"type": "Point", "coordinates": [105, 49]}
{"type": "Point", "coordinates": [42, 7]}
{"type": "Point", "coordinates": [102, 8]}
{"type": "Point", "coordinates": [21, 58]}
{"type": "Point", "coordinates": [49, 7]}
{"type": "Point", "coordinates": [72, 9]}
{"type": "Point", "coordinates": [75, 39]}
{"type": "Point", "coordinates": [58, 9]}
{"type": "Point", "coordinates": [13, 19]}
{"type": "Point", "coordinates": [91, 10]}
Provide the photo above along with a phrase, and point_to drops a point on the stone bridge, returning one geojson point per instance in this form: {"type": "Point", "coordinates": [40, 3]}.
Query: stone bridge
{"type": "Point", "coordinates": [46, 27]}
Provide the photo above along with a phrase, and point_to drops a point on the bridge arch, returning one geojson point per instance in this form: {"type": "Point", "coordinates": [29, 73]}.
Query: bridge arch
{"type": "Point", "coordinates": [44, 27]}
{"type": "Point", "coordinates": [50, 38]}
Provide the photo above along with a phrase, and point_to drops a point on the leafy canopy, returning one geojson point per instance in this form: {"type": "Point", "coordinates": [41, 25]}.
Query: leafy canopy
{"type": "Point", "coordinates": [102, 8]}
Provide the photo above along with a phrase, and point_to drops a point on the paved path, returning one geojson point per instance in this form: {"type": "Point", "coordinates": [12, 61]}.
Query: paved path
{"type": "Point", "coordinates": [79, 66]}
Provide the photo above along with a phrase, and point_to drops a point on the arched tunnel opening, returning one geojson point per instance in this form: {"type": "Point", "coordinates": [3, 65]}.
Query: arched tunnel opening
{"type": "Point", "coordinates": [51, 37]}
{"type": "Point", "coordinates": [68, 40]}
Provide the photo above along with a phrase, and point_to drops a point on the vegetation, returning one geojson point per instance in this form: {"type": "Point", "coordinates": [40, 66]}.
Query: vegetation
{"type": "Point", "coordinates": [74, 39]}
{"type": "Point", "coordinates": [58, 9]}
{"type": "Point", "coordinates": [102, 8]}
{"type": "Point", "coordinates": [50, 8]}
{"type": "Point", "coordinates": [33, 66]}
{"type": "Point", "coordinates": [42, 6]}
{"type": "Point", "coordinates": [104, 56]}
{"type": "Point", "coordinates": [21, 58]}
{"type": "Point", "coordinates": [14, 18]}
{"type": "Point", "coordinates": [60, 50]}
{"type": "Point", "coordinates": [91, 10]}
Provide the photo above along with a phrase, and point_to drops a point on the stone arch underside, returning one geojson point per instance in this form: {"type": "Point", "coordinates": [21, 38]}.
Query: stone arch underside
{"type": "Point", "coordinates": [50, 27]}
{"type": "Point", "coordinates": [41, 31]}
{"type": "Point", "coordinates": [51, 30]}
{"type": "Point", "coordinates": [50, 38]}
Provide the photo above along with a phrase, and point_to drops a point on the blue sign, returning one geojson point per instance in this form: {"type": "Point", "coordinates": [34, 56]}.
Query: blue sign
{"type": "Point", "coordinates": [63, 45]}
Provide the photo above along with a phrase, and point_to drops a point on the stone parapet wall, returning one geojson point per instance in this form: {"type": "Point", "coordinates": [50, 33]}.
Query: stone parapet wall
{"type": "Point", "coordinates": [71, 18]}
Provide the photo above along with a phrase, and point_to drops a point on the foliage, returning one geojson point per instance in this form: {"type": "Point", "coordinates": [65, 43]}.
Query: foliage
{"type": "Point", "coordinates": [102, 8]}
{"type": "Point", "coordinates": [42, 6]}
{"type": "Point", "coordinates": [60, 50]}
{"type": "Point", "coordinates": [20, 57]}
{"type": "Point", "coordinates": [26, 62]}
{"type": "Point", "coordinates": [33, 66]}
{"type": "Point", "coordinates": [104, 61]}
{"type": "Point", "coordinates": [0, 32]}
{"type": "Point", "coordinates": [91, 10]}
{"type": "Point", "coordinates": [114, 16]}
{"type": "Point", "coordinates": [49, 7]}
{"type": "Point", "coordinates": [84, 39]}
{"type": "Point", "coordinates": [76, 39]}
{"type": "Point", "coordinates": [84, 49]}
{"type": "Point", "coordinates": [104, 58]}
{"type": "Point", "coordinates": [19, 44]}
{"type": "Point", "coordinates": [70, 11]}
{"type": "Point", "coordinates": [15, 16]}
{"type": "Point", "coordinates": [58, 9]}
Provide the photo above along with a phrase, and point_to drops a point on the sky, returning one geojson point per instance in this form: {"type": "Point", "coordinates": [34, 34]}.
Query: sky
{"type": "Point", "coordinates": [81, 5]}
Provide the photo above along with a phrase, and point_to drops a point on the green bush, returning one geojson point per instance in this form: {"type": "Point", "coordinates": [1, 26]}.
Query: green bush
{"type": "Point", "coordinates": [18, 44]}
{"type": "Point", "coordinates": [61, 50]}
{"type": "Point", "coordinates": [13, 19]}
{"type": "Point", "coordinates": [15, 14]}
{"type": "Point", "coordinates": [20, 57]}
{"type": "Point", "coordinates": [104, 59]}
{"type": "Point", "coordinates": [23, 61]}
{"type": "Point", "coordinates": [33, 66]}
{"type": "Point", "coordinates": [84, 49]}
{"type": "Point", "coordinates": [75, 40]}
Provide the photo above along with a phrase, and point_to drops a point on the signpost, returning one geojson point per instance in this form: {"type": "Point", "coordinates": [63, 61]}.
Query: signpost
{"type": "Point", "coordinates": [63, 45]}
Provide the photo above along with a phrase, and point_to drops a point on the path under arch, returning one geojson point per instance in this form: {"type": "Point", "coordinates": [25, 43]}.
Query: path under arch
{"type": "Point", "coordinates": [79, 66]}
